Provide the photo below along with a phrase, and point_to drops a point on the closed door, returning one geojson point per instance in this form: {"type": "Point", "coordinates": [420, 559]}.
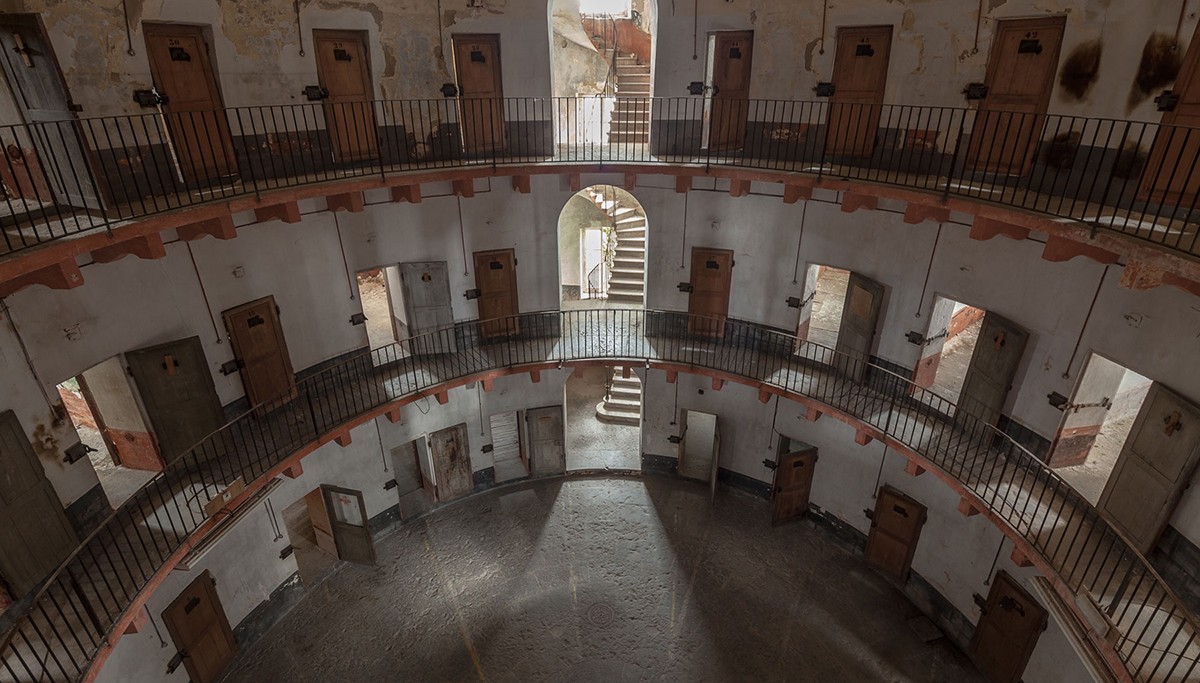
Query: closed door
{"type": "Point", "coordinates": [200, 630]}
{"type": "Point", "coordinates": [261, 351]}
{"type": "Point", "coordinates": [451, 462]}
{"type": "Point", "coordinates": [427, 306]}
{"type": "Point", "coordinates": [196, 121]}
{"type": "Point", "coordinates": [175, 384]}
{"type": "Point", "coordinates": [40, 92]}
{"type": "Point", "coordinates": [480, 91]}
{"type": "Point", "coordinates": [708, 304]}
{"type": "Point", "coordinates": [1154, 467]}
{"type": "Point", "coordinates": [793, 485]}
{"type": "Point", "coordinates": [860, 317]}
{"type": "Point", "coordinates": [993, 367]}
{"type": "Point", "coordinates": [410, 478]}
{"type": "Point", "coordinates": [547, 454]}
{"type": "Point", "coordinates": [1172, 171]}
{"type": "Point", "coordinates": [1020, 76]}
{"type": "Point", "coordinates": [496, 280]}
{"type": "Point", "coordinates": [344, 71]}
{"type": "Point", "coordinates": [1007, 631]}
{"type": "Point", "coordinates": [859, 77]}
{"type": "Point", "coordinates": [895, 529]}
{"type": "Point", "coordinates": [349, 524]}
{"type": "Point", "coordinates": [35, 535]}
{"type": "Point", "coordinates": [730, 56]}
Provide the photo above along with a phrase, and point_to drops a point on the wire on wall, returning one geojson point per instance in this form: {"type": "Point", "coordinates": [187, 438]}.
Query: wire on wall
{"type": "Point", "coordinates": [824, 24]}
{"type": "Point", "coordinates": [128, 29]}
{"type": "Point", "coordinates": [683, 240]}
{"type": "Point", "coordinates": [879, 475]}
{"type": "Point", "coordinates": [695, 30]}
{"type": "Point", "coordinates": [462, 237]}
{"type": "Point", "coordinates": [1082, 330]}
{"type": "Point", "coordinates": [978, 24]}
{"type": "Point", "coordinates": [929, 269]}
{"type": "Point", "coordinates": [345, 263]}
{"type": "Point", "coordinates": [299, 30]}
{"type": "Point", "coordinates": [799, 241]}
{"type": "Point", "coordinates": [212, 319]}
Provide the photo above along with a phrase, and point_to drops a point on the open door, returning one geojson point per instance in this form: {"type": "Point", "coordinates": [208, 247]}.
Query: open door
{"type": "Point", "coordinates": [860, 71]}
{"type": "Point", "coordinates": [200, 630]}
{"type": "Point", "coordinates": [547, 452]}
{"type": "Point", "coordinates": [1154, 467]}
{"type": "Point", "coordinates": [895, 530]}
{"type": "Point", "coordinates": [708, 304]}
{"type": "Point", "coordinates": [344, 72]}
{"type": "Point", "coordinates": [176, 387]}
{"type": "Point", "coordinates": [256, 336]}
{"type": "Point", "coordinates": [35, 535]}
{"type": "Point", "coordinates": [427, 307]}
{"type": "Point", "coordinates": [410, 479]}
{"type": "Point", "coordinates": [349, 524]}
{"type": "Point", "coordinates": [1020, 77]}
{"type": "Point", "coordinates": [1171, 174]}
{"type": "Point", "coordinates": [730, 57]}
{"type": "Point", "coordinates": [480, 92]}
{"type": "Point", "coordinates": [698, 457]}
{"type": "Point", "coordinates": [1007, 631]}
{"type": "Point", "coordinates": [993, 367]}
{"type": "Point", "coordinates": [496, 280]}
{"type": "Point", "coordinates": [860, 318]}
{"type": "Point", "coordinates": [451, 462]}
{"type": "Point", "coordinates": [793, 485]}
{"type": "Point", "coordinates": [1099, 382]}
{"type": "Point", "coordinates": [183, 75]}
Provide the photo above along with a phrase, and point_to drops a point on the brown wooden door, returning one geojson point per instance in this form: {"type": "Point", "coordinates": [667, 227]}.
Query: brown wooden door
{"type": "Point", "coordinates": [1007, 631]}
{"type": "Point", "coordinates": [196, 121]}
{"type": "Point", "coordinates": [256, 336]}
{"type": "Point", "coordinates": [451, 462]}
{"type": "Point", "coordinates": [793, 485]}
{"type": "Point", "coordinates": [1020, 76]}
{"type": "Point", "coordinates": [708, 304]}
{"type": "Point", "coordinates": [175, 384]}
{"type": "Point", "coordinates": [35, 535]}
{"type": "Point", "coordinates": [895, 529]}
{"type": "Point", "coordinates": [1154, 467]}
{"type": "Point", "coordinates": [480, 91]}
{"type": "Point", "coordinates": [856, 333]}
{"type": "Point", "coordinates": [729, 78]}
{"type": "Point", "coordinates": [860, 71]}
{"type": "Point", "coordinates": [547, 451]}
{"type": "Point", "coordinates": [349, 524]}
{"type": "Point", "coordinates": [993, 367]}
{"type": "Point", "coordinates": [344, 71]}
{"type": "Point", "coordinates": [496, 280]}
{"type": "Point", "coordinates": [200, 630]}
{"type": "Point", "coordinates": [1172, 172]}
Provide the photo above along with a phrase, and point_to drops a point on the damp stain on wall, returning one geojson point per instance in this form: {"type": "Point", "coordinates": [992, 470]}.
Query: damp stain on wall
{"type": "Point", "coordinates": [1080, 70]}
{"type": "Point", "coordinates": [1160, 63]}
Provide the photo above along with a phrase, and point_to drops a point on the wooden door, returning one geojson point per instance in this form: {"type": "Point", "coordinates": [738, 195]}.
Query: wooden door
{"type": "Point", "coordinates": [992, 369]}
{"type": "Point", "coordinates": [318, 514]}
{"type": "Point", "coordinates": [793, 485]}
{"type": "Point", "coordinates": [344, 72]}
{"type": "Point", "coordinates": [1020, 76]}
{"type": "Point", "coordinates": [35, 536]}
{"type": "Point", "coordinates": [547, 452]}
{"type": "Point", "coordinates": [895, 529]}
{"type": "Point", "coordinates": [256, 336]}
{"type": "Point", "coordinates": [1154, 467]}
{"type": "Point", "coordinates": [40, 92]}
{"type": "Point", "coordinates": [1172, 172]}
{"type": "Point", "coordinates": [860, 318]}
{"type": "Point", "coordinates": [860, 70]}
{"type": "Point", "coordinates": [480, 92]}
{"type": "Point", "coordinates": [451, 462]}
{"type": "Point", "coordinates": [1007, 631]}
{"type": "Point", "coordinates": [183, 73]}
{"type": "Point", "coordinates": [730, 62]}
{"type": "Point", "coordinates": [427, 306]}
{"type": "Point", "coordinates": [349, 524]}
{"type": "Point", "coordinates": [496, 280]}
{"type": "Point", "coordinates": [200, 630]}
{"type": "Point", "coordinates": [708, 304]}
{"type": "Point", "coordinates": [175, 384]}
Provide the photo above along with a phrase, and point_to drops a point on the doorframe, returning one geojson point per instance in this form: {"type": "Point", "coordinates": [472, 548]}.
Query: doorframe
{"type": "Point", "coordinates": [388, 295]}
{"type": "Point", "coordinates": [205, 31]}
{"type": "Point", "coordinates": [98, 418]}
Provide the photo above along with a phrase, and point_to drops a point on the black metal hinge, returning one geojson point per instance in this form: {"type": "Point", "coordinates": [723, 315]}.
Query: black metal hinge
{"type": "Point", "coordinates": [472, 294]}
{"type": "Point", "coordinates": [1167, 101]}
{"type": "Point", "coordinates": [825, 89]}
{"type": "Point", "coordinates": [675, 439]}
{"type": "Point", "coordinates": [685, 287]}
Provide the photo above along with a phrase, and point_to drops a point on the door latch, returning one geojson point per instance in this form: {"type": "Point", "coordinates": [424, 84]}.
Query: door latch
{"type": "Point", "coordinates": [825, 89]}
{"type": "Point", "coordinates": [230, 367]}
{"type": "Point", "coordinates": [358, 319]}
{"type": "Point", "coordinates": [1167, 101]}
{"type": "Point", "coordinates": [685, 287]}
{"type": "Point", "coordinates": [176, 661]}
{"type": "Point", "coordinates": [770, 464]}
{"type": "Point", "coordinates": [675, 439]}
{"type": "Point", "coordinates": [315, 93]}
{"type": "Point", "coordinates": [472, 294]}
{"type": "Point", "coordinates": [449, 90]}
{"type": "Point", "coordinates": [975, 91]}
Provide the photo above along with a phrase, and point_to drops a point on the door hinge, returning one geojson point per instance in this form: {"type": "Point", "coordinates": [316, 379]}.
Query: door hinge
{"type": "Point", "coordinates": [770, 464]}
{"type": "Point", "coordinates": [980, 602]}
{"type": "Point", "coordinates": [315, 93]}
{"type": "Point", "coordinates": [472, 294]}
{"type": "Point", "coordinates": [287, 552]}
{"type": "Point", "coordinates": [685, 287]}
{"type": "Point", "coordinates": [824, 89]}
{"type": "Point", "coordinates": [389, 485]}
{"type": "Point", "coordinates": [175, 661]}
{"type": "Point", "coordinates": [869, 514]}
{"type": "Point", "coordinates": [975, 91]}
{"type": "Point", "coordinates": [358, 319]}
{"type": "Point", "coordinates": [675, 439]}
{"type": "Point", "coordinates": [1167, 101]}
{"type": "Point", "coordinates": [230, 367]}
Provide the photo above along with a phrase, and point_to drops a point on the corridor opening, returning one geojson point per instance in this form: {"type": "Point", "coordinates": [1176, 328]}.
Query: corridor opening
{"type": "Point", "coordinates": [839, 316]}
{"type": "Point", "coordinates": [381, 296]}
{"type": "Point", "coordinates": [602, 249]}
{"type": "Point", "coordinates": [1096, 424]}
{"type": "Point", "coordinates": [824, 301]}
{"type": "Point", "coordinates": [604, 415]}
{"type": "Point", "coordinates": [949, 343]}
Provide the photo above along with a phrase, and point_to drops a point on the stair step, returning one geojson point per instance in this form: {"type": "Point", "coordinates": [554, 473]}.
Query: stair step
{"type": "Point", "coordinates": [629, 286]}
{"type": "Point", "coordinates": [604, 414]}
{"type": "Point", "coordinates": [619, 380]}
{"type": "Point", "coordinates": [632, 79]}
{"type": "Point", "coordinates": [629, 274]}
{"type": "Point", "coordinates": [631, 233]}
{"type": "Point", "coordinates": [635, 138]}
{"type": "Point", "coordinates": [630, 220]}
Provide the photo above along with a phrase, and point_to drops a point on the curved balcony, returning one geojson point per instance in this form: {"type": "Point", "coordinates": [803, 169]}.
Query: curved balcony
{"type": "Point", "coordinates": [1088, 177]}
{"type": "Point", "coordinates": [69, 626]}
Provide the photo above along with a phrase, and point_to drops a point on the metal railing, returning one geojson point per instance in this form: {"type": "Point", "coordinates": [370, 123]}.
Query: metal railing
{"type": "Point", "coordinates": [69, 618]}
{"type": "Point", "coordinates": [1135, 178]}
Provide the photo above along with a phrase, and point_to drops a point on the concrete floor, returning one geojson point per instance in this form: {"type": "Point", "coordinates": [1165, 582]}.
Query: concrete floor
{"type": "Point", "coordinates": [592, 444]}
{"type": "Point", "coordinates": [603, 579]}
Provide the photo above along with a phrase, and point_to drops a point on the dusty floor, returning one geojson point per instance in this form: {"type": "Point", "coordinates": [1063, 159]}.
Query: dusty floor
{"type": "Point", "coordinates": [607, 580]}
{"type": "Point", "coordinates": [372, 289]}
{"type": "Point", "coordinates": [119, 483]}
{"type": "Point", "coordinates": [590, 442]}
{"type": "Point", "coordinates": [827, 305]}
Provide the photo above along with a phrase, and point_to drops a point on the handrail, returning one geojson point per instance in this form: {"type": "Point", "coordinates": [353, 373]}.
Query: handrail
{"type": "Point", "coordinates": [1139, 179]}
{"type": "Point", "coordinates": [68, 620]}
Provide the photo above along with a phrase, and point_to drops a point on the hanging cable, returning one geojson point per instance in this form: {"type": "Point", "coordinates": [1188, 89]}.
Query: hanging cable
{"type": "Point", "coordinates": [299, 30]}
{"type": "Point", "coordinates": [1079, 340]}
{"type": "Point", "coordinates": [879, 475]}
{"type": "Point", "coordinates": [128, 30]}
{"type": "Point", "coordinates": [803, 219]}
{"type": "Point", "coordinates": [929, 269]}
{"type": "Point", "coordinates": [345, 263]}
{"type": "Point", "coordinates": [204, 294]}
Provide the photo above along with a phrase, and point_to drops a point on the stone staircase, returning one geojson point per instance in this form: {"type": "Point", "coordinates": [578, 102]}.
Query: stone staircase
{"type": "Point", "coordinates": [631, 113]}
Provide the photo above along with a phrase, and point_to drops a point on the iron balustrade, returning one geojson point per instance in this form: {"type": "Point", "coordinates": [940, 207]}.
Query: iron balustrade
{"type": "Point", "coordinates": [1134, 178]}
{"type": "Point", "coordinates": [64, 624]}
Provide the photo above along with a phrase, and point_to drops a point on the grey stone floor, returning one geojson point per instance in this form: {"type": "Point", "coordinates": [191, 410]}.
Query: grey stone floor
{"type": "Point", "coordinates": [592, 444]}
{"type": "Point", "coordinates": [603, 579]}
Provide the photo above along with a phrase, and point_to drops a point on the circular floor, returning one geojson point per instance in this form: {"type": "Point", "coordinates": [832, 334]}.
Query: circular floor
{"type": "Point", "coordinates": [603, 579]}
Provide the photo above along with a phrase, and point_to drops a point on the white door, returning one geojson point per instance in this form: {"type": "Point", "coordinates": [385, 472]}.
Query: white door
{"type": "Point", "coordinates": [547, 454]}
{"type": "Point", "coordinates": [698, 449]}
{"type": "Point", "coordinates": [427, 308]}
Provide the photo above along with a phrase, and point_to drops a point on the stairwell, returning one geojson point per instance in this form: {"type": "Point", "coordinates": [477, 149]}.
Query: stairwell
{"type": "Point", "coordinates": [631, 112]}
